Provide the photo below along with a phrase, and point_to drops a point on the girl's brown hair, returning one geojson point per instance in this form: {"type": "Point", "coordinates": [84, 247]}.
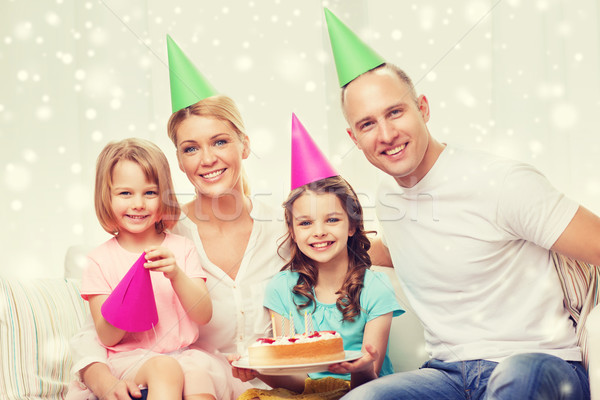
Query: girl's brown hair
{"type": "Point", "coordinates": [348, 301]}
{"type": "Point", "coordinates": [155, 166]}
{"type": "Point", "coordinates": [220, 107]}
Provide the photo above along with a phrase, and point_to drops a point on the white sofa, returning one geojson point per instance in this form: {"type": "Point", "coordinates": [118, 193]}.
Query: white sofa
{"type": "Point", "coordinates": [593, 328]}
{"type": "Point", "coordinates": [38, 317]}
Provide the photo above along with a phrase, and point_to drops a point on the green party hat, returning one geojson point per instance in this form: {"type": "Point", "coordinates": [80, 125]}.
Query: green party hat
{"type": "Point", "coordinates": [352, 56]}
{"type": "Point", "coordinates": [188, 86]}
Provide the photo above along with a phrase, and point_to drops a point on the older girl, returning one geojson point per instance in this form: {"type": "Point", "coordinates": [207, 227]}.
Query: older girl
{"type": "Point", "coordinates": [328, 278]}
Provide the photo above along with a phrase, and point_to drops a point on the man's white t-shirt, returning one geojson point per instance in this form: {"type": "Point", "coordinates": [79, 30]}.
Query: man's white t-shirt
{"type": "Point", "coordinates": [469, 243]}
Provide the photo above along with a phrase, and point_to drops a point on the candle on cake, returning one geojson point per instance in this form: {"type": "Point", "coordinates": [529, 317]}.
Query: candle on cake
{"type": "Point", "coordinates": [292, 331]}
{"type": "Point", "coordinates": [307, 323]}
{"type": "Point", "coordinates": [273, 324]}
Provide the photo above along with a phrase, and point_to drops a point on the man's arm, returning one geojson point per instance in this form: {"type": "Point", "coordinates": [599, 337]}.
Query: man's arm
{"type": "Point", "coordinates": [581, 238]}
{"type": "Point", "coordinates": [379, 253]}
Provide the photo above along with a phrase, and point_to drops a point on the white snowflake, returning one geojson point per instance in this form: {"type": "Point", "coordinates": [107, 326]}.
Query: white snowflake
{"type": "Point", "coordinates": [16, 205]}
{"type": "Point", "coordinates": [17, 177]}
{"type": "Point", "coordinates": [91, 114]}
{"type": "Point", "coordinates": [310, 86]}
{"type": "Point", "coordinates": [78, 197]}
{"type": "Point", "coordinates": [76, 168]}
{"type": "Point", "coordinates": [465, 96]}
{"type": "Point", "coordinates": [115, 104]}
{"type": "Point", "coordinates": [97, 136]}
{"type": "Point", "coordinates": [30, 155]}
{"type": "Point", "coordinates": [536, 147]}
{"type": "Point", "coordinates": [244, 63]}
{"type": "Point", "coordinates": [564, 116]}
{"type": "Point", "coordinates": [43, 113]}
{"type": "Point", "coordinates": [77, 229]}
{"type": "Point", "coordinates": [23, 30]}
{"type": "Point", "coordinates": [22, 75]}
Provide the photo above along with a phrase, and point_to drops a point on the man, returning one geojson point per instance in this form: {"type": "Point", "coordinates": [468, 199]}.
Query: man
{"type": "Point", "coordinates": [469, 235]}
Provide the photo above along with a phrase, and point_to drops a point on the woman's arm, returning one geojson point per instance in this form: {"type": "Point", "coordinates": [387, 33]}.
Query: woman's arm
{"type": "Point", "coordinates": [89, 363]}
{"type": "Point", "coordinates": [192, 293]}
{"type": "Point", "coordinates": [108, 334]}
{"type": "Point", "coordinates": [290, 382]}
{"type": "Point", "coordinates": [98, 378]}
{"type": "Point", "coordinates": [85, 348]}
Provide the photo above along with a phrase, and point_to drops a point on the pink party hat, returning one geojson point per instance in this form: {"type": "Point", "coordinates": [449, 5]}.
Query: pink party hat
{"type": "Point", "coordinates": [131, 305]}
{"type": "Point", "coordinates": [308, 163]}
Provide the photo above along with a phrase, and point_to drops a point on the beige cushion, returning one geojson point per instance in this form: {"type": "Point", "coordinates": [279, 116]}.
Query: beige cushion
{"type": "Point", "coordinates": [580, 283]}
{"type": "Point", "coordinates": [37, 319]}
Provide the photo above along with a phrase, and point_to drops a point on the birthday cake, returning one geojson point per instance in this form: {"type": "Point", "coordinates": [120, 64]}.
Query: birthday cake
{"type": "Point", "coordinates": [297, 349]}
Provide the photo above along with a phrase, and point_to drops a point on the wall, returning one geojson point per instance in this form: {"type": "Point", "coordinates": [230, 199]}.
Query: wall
{"type": "Point", "coordinates": [517, 78]}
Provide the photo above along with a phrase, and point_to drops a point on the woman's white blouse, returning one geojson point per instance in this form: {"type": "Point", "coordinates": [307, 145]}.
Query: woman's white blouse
{"type": "Point", "coordinates": [239, 317]}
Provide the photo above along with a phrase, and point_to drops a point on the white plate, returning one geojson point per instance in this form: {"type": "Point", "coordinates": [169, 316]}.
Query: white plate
{"type": "Point", "coordinates": [295, 369]}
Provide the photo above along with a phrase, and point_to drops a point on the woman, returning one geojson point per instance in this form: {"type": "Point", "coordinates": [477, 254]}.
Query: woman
{"type": "Point", "coordinates": [236, 238]}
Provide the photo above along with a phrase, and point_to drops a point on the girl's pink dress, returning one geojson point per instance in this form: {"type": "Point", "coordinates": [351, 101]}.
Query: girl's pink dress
{"type": "Point", "coordinates": [175, 334]}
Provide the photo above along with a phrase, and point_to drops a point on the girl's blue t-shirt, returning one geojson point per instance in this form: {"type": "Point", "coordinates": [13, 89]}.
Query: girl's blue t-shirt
{"type": "Point", "coordinates": [377, 298]}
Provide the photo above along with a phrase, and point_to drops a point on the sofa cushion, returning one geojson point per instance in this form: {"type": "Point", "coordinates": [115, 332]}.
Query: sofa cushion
{"type": "Point", "coordinates": [581, 287]}
{"type": "Point", "coordinates": [37, 319]}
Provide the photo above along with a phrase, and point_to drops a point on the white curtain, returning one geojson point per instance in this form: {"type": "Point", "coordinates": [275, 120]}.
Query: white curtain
{"type": "Point", "coordinates": [516, 78]}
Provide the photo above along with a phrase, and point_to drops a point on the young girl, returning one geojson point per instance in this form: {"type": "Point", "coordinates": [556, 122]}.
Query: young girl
{"type": "Point", "coordinates": [328, 278]}
{"type": "Point", "coordinates": [135, 202]}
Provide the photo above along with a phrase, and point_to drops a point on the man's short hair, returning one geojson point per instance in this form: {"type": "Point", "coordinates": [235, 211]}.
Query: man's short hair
{"type": "Point", "coordinates": [392, 68]}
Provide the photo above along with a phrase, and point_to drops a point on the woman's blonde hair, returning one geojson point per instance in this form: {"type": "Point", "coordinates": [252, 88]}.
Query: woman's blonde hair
{"type": "Point", "coordinates": [220, 107]}
{"type": "Point", "coordinates": [155, 166]}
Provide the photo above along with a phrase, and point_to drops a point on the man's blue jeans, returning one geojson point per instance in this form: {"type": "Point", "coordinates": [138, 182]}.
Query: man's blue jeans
{"type": "Point", "coordinates": [528, 376]}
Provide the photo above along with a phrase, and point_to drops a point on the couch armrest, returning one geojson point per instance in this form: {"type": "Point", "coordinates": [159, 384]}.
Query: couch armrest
{"type": "Point", "coordinates": [37, 319]}
{"type": "Point", "coordinates": [593, 333]}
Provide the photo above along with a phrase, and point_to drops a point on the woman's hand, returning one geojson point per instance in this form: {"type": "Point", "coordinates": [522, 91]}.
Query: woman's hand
{"type": "Point", "coordinates": [243, 374]}
{"type": "Point", "coordinates": [98, 378]}
{"type": "Point", "coordinates": [123, 390]}
{"type": "Point", "coordinates": [162, 260]}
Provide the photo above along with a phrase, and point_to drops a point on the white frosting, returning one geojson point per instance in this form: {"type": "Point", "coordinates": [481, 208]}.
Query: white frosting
{"type": "Point", "coordinates": [299, 338]}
